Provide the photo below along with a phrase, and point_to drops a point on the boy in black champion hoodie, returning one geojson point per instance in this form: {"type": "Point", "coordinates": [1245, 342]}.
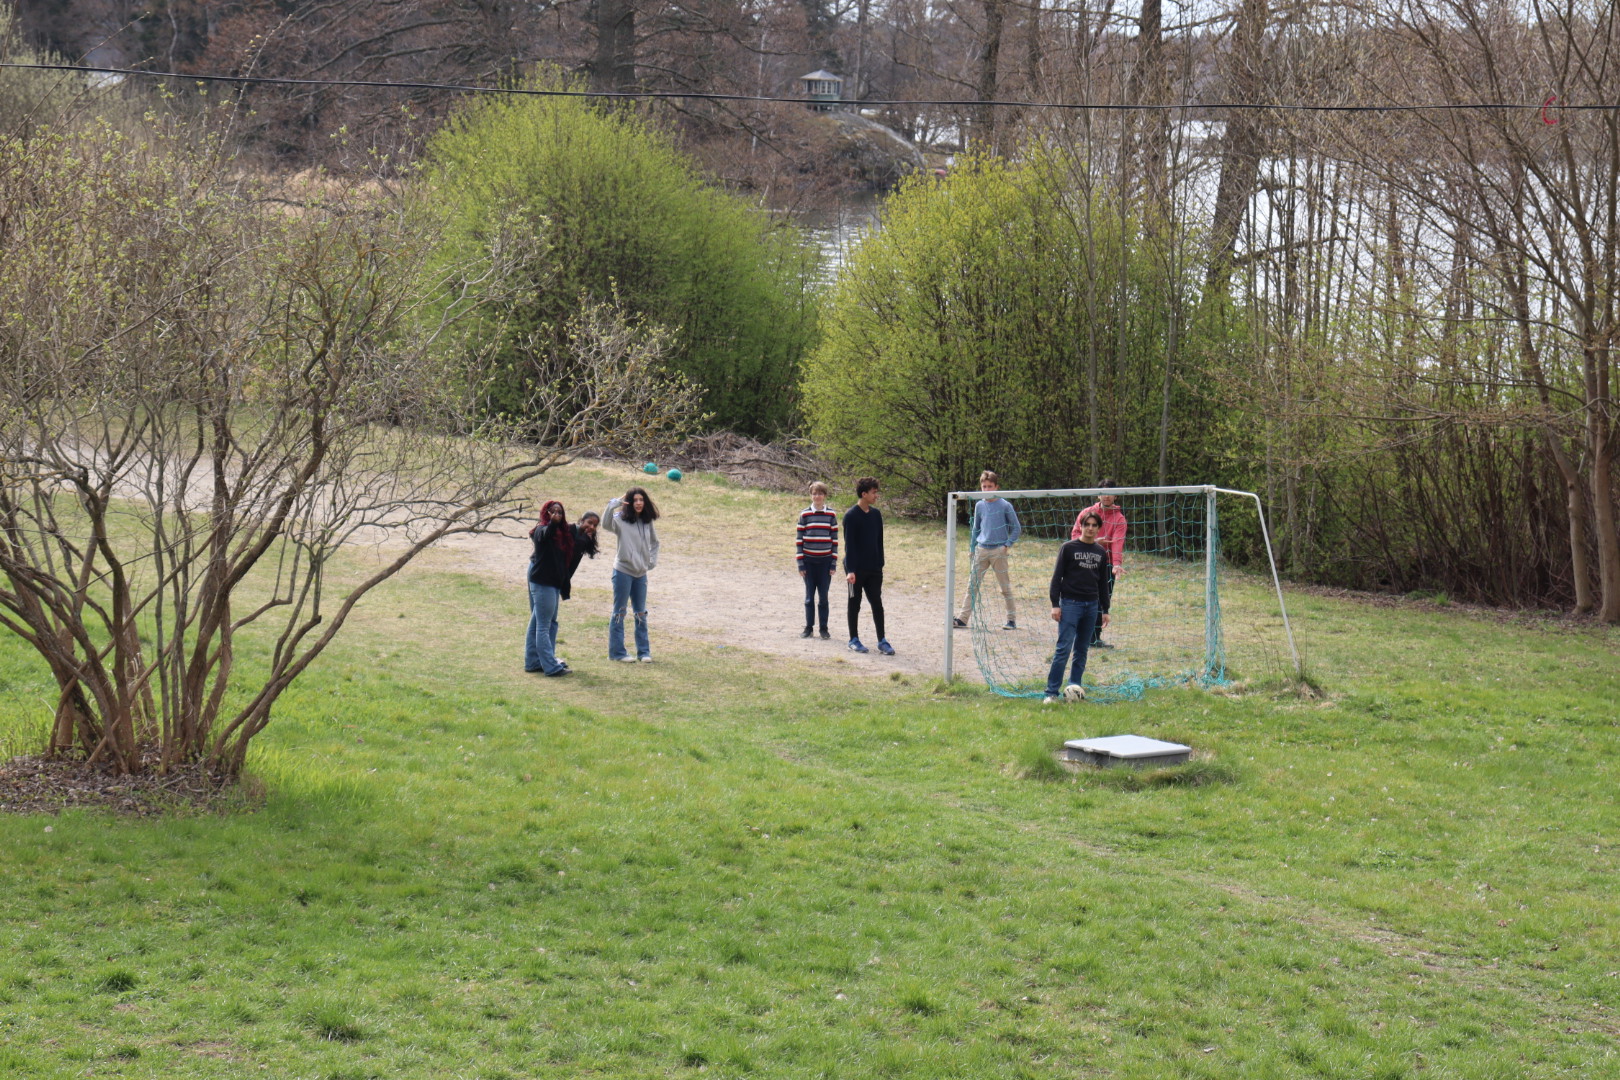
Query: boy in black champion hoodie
{"type": "Point", "coordinates": [1080, 594]}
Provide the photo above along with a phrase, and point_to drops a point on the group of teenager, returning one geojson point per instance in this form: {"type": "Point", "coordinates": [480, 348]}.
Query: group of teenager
{"type": "Point", "coordinates": [1081, 589]}
{"type": "Point", "coordinates": [816, 545]}
{"type": "Point", "coordinates": [559, 548]}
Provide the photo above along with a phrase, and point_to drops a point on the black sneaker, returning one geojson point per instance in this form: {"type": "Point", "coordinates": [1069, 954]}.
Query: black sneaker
{"type": "Point", "coordinates": [1099, 644]}
{"type": "Point", "coordinates": [960, 624]}
{"type": "Point", "coordinates": [824, 635]}
{"type": "Point", "coordinates": [1010, 624]}
{"type": "Point", "coordinates": [805, 632]}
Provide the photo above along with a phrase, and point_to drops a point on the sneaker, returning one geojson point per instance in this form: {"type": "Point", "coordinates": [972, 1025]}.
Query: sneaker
{"type": "Point", "coordinates": [1049, 699]}
{"type": "Point", "coordinates": [824, 635]}
{"type": "Point", "coordinates": [807, 632]}
{"type": "Point", "coordinates": [1010, 624]}
{"type": "Point", "coordinates": [627, 659]}
{"type": "Point", "coordinates": [1099, 644]}
{"type": "Point", "coordinates": [856, 646]}
{"type": "Point", "coordinates": [642, 659]}
{"type": "Point", "coordinates": [960, 624]}
{"type": "Point", "coordinates": [885, 648]}
{"type": "Point", "coordinates": [559, 672]}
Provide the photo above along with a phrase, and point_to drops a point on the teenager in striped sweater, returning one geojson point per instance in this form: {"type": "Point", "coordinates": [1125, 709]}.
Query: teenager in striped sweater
{"type": "Point", "coordinates": [817, 546]}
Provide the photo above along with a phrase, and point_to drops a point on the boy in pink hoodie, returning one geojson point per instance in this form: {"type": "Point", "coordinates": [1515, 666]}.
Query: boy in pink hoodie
{"type": "Point", "coordinates": [1112, 540]}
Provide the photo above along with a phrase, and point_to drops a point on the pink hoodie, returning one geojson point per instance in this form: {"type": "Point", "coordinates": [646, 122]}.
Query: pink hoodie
{"type": "Point", "coordinates": [1112, 534]}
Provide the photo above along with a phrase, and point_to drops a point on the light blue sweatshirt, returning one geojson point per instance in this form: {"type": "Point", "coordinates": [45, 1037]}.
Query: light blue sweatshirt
{"type": "Point", "coordinates": [995, 524]}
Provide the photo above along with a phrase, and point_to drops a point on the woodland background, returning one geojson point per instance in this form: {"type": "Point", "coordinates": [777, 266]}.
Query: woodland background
{"type": "Point", "coordinates": [1363, 258]}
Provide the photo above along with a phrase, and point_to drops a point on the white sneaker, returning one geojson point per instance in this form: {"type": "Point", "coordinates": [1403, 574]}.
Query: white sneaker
{"type": "Point", "coordinates": [1049, 699]}
{"type": "Point", "coordinates": [627, 659]}
{"type": "Point", "coordinates": [643, 659]}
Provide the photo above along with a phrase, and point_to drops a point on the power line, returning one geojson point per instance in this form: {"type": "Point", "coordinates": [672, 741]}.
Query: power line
{"type": "Point", "coordinates": [693, 95]}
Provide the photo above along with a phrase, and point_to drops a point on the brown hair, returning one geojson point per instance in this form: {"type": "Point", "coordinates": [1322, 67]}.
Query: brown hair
{"type": "Point", "coordinates": [817, 488]}
{"type": "Point", "coordinates": [865, 484]}
{"type": "Point", "coordinates": [990, 476]}
{"type": "Point", "coordinates": [1091, 515]}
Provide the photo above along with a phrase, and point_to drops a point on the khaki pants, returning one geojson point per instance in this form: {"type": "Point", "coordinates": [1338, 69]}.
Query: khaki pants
{"type": "Point", "coordinates": [996, 559]}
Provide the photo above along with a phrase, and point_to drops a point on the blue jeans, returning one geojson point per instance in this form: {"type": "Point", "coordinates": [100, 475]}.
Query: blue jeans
{"type": "Point", "coordinates": [817, 580]}
{"type": "Point", "coordinates": [539, 647]}
{"type": "Point", "coordinates": [628, 592]}
{"type": "Point", "coordinates": [1078, 619]}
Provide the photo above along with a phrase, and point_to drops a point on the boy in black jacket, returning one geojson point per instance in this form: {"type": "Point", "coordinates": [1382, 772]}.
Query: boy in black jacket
{"type": "Point", "coordinates": [1079, 593]}
{"type": "Point", "coordinates": [863, 563]}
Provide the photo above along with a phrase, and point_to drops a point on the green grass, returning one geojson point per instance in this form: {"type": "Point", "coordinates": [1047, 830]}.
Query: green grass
{"type": "Point", "coordinates": [751, 868]}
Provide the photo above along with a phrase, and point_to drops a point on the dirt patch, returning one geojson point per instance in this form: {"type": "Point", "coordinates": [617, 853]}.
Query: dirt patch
{"type": "Point", "coordinates": [738, 604]}
{"type": "Point", "coordinates": [37, 785]}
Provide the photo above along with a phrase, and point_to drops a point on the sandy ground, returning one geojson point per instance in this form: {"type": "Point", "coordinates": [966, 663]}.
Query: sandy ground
{"type": "Point", "coordinates": [738, 604]}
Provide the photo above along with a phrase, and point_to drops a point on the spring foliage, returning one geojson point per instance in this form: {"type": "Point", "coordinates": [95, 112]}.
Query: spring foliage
{"type": "Point", "coordinates": [622, 213]}
{"type": "Point", "coordinates": [975, 328]}
{"type": "Point", "coordinates": [205, 402]}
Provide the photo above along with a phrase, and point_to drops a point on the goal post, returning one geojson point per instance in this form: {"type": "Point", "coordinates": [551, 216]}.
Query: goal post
{"type": "Point", "coordinates": [1167, 626]}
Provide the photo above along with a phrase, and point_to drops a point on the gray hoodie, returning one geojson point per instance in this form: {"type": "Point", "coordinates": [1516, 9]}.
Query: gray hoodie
{"type": "Point", "coordinates": [638, 541]}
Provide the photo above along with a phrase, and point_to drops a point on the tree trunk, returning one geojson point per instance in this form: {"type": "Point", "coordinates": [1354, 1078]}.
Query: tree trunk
{"type": "Point", "coordinates": [614, 68]}
{"type": "Point", "coordinates": [1150, 85]}
{"type": "Point", "coordinates": [1574, 496]}
{"type": "Point", "coordinates": [1240, 144]}
{"type": "Point", "coordinates": [1600, 432]}
{"type": "Point", "coordinates": [858, 91]}
{"type": "Point", "coordinates": [989, 62]}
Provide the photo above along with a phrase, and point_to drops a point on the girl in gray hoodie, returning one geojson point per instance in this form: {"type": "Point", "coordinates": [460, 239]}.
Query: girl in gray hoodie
{"type": "Point", "coordinates": [631, 519]}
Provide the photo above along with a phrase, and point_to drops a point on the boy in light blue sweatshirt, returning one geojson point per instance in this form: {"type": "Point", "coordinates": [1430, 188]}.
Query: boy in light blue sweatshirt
{"type": "Point", "coordinates": [995, 531]}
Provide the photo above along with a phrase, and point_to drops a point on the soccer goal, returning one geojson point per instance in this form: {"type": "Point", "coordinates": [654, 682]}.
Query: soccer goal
{"type": "Point", "coordinates": [1167, 612]}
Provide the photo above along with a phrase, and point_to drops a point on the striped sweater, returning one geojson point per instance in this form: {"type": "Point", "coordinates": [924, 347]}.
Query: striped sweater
{"type": "Point", "coordinates": [818, 535]}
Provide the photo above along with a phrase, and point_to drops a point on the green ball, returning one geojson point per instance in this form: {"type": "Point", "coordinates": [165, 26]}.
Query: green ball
{"type": "Point", "coordinates": [674, 474]}
{"type": "Point", "coordinates": [650, 468]}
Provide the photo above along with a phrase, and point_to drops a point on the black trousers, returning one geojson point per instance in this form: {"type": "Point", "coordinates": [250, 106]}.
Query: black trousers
{"type": "Point", "coordinates": [872, 585]}
{"type": "Point", "coordinates": [817, 584]}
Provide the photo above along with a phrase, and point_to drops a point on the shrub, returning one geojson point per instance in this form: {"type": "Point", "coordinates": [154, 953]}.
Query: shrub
{"type": "Point", "coordinates": [623, 214]}
{"type": "Point", "coordinates": [988, 323]}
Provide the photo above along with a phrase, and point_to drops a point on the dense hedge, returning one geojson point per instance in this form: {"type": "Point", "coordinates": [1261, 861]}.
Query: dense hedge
{"type": "Point", "coordinates": [620, 211]}
{"type": "Point", "coordinates": [975, 327]}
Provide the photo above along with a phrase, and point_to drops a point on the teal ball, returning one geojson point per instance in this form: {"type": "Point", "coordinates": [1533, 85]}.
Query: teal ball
{"type": "Point", "coordinates": [650, 468]}
{"type": "Point", "coordinates": [674, 474]}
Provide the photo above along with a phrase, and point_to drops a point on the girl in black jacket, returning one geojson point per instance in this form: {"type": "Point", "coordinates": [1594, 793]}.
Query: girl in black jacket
{"type": "Point", "coordinates": [558, 549]}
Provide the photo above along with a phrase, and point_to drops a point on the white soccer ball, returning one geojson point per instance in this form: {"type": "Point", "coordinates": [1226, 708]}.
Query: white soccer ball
{"type": "Point", "coordinates": [1074, 692]}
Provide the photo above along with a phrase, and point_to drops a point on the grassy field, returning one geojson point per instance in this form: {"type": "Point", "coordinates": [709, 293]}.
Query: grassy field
{"type": "Point", "coordinates": [723, 866]}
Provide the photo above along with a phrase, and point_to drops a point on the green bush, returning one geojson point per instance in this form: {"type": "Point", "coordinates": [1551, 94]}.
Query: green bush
{"type": "Point", "coordinates": [621, 212]}
{"type": "Point", "coordinates": [986, 324]}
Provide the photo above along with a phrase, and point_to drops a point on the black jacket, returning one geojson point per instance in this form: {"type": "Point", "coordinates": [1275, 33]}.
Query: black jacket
{"type": "Point", "coordinates": [548, 565]}
{"type": "Point", "coordinates": [863, 540]}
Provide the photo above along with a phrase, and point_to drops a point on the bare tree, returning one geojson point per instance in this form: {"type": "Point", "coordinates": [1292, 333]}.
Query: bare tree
{"type": "Point", "coordinates": [1541, 194]}
{"type": "Point", "coordinates": [207, 396]}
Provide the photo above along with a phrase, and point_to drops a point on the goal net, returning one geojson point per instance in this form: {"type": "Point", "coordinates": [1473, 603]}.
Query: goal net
{"type": "Point", "coordinates": [1166, 623]}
